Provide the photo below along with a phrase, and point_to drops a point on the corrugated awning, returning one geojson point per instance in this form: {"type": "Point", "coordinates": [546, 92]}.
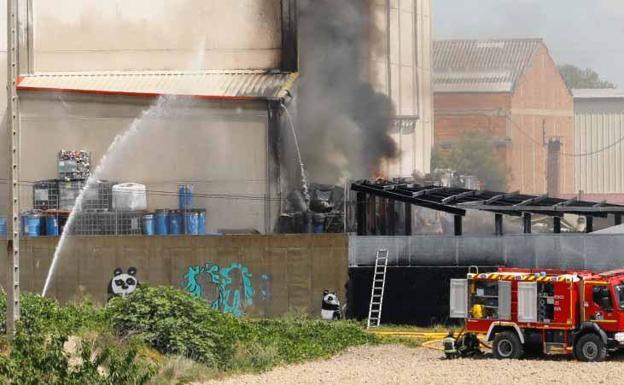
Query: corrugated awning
{"type": "Point", "coordinates": [220, 85]}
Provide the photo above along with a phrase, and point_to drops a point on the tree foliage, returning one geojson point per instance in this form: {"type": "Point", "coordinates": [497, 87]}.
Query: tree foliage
{"type": "Point", "coordinates": [472, 155]}
{"type": "Point", "coordinates": [576, 77]}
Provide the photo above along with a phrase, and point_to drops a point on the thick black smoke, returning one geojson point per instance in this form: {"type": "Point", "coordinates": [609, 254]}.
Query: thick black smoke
{"type": "Point", "coordinates": [343, 121]}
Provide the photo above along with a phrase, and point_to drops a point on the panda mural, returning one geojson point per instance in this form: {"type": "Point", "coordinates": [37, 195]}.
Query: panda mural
{"type": "Point", "coordinates": [123, 284]}
{"type": "Point", "coordinates": [330, 307]}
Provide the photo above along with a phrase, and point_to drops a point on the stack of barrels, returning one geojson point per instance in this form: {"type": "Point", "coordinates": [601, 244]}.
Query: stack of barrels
{"type": "Point", "coordinates": [185, 220]}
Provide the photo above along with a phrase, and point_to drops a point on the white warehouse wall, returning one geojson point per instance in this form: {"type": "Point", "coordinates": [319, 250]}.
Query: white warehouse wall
{"type": "Point", "coordinates": [409, 81]}
{"type": "Point", "coordinates": [119, 35]}
{"type": "Point", "coordinates": [220, 148]}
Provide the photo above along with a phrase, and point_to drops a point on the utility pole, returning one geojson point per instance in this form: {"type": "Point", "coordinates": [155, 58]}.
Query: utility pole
{"type": "Point", "coordinates": [13, 305]}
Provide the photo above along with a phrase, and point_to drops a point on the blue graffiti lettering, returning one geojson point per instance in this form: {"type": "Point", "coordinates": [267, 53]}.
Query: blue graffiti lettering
{"type": "Point", "coordinates": [232, 300]}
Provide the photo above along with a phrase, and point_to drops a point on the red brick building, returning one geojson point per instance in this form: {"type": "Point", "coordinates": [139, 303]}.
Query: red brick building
{"type": "Point", "coordinates": [512, 92]}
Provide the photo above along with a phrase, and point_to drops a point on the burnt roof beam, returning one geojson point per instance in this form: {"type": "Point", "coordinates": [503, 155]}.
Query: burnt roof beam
{"type": "Point", "coordinates": [379, 192]}
{"type": "Point", "coordinates": [532, 200]}
{"type": "Point", "coordinates": [456, 197]}
{"type": "Point", "coordinates": [581, 210]}
{"type": "Point", "coordinates": [499, 197]}
{"type": "Point", "coordinates": [426, 192]}
{"type": "Point", "coordinates": [569, 202]}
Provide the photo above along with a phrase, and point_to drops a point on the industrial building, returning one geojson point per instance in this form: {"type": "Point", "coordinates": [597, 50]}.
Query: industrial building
{"type": "Point", "coordinates": [599, 128]}
{"type": "Point", "coordinates": [89, 71]}
{"type": "Point", "coordinates": [511, 91]}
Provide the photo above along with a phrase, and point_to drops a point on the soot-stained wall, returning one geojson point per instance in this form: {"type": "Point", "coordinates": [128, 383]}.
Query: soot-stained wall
{"type": "Point", "coordinates": [412, 296]}
{"type": "Point", "coordinates": [243, 275]}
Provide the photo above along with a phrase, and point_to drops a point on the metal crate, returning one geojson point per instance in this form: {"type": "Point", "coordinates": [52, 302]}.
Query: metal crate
{"type": "Point", "coordinates": [74, 165]}
{"type": "Point", "coordinates": [68, 193]}
{"type": "Point", "coordinates": [129, 222]}
{"type": "Point", "coordinates": [98, 196]}
{"type": "Point", "coordinates": [46, 195]}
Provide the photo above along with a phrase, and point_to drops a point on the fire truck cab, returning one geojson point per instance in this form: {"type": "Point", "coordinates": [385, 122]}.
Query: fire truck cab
{"type": "Point", "coordinates": [548, 311]}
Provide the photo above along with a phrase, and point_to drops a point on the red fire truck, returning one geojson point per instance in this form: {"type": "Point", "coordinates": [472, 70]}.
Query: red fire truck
{"type": "Point", "coordinates": [549, 311]}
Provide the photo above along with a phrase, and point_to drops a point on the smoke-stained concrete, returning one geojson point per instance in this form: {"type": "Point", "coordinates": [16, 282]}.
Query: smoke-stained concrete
{"type": "Point", "coordinates": [118, 35]}
{"type": "Point", "coordinates": [343, 122]}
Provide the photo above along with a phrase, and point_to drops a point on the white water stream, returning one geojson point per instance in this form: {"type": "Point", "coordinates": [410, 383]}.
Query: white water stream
{"type": "Point", "coordinates": [109, 158]}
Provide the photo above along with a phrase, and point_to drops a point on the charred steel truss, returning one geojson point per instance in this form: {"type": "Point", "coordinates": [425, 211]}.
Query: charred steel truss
{"type": "Point", "coordinates": [456, 201]}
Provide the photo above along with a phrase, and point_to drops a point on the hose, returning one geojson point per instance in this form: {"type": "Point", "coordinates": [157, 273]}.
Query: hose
{"type": "Point", "coordinates": [428, 344]}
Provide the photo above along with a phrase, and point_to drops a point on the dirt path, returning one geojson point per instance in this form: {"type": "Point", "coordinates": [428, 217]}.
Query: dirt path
{"type": "Point", "coordinates": [393, 364]}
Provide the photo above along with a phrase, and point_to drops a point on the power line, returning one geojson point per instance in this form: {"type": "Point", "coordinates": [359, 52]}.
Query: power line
{"type": "Point", "coordinates": [575, 155]}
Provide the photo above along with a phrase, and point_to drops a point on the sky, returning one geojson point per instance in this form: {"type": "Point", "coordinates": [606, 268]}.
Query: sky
{"type": "Point", "coordinates": [586, 33]}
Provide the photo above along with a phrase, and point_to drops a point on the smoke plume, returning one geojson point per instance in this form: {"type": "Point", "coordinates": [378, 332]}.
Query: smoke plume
{"type": "Point", "coordinates": [343, 122]}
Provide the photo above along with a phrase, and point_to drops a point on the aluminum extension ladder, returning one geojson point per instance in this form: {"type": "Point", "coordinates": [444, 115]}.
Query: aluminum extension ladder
{"type": "Point", "coordinates": [377, 291]}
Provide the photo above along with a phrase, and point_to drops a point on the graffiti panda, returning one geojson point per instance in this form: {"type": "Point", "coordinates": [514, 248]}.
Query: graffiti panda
{"type": "Point", "coordinates": [330, 307]}
{"type": "Point", "coordinates": [123, 284]}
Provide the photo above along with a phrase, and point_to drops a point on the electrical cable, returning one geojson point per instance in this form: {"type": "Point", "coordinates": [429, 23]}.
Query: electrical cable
{"type": "Point", "coordinates": [569, 154]}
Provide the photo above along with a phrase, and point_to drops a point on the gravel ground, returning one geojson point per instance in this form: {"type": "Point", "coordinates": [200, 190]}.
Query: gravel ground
{"type": "Point", "coordinates": [395, 364]}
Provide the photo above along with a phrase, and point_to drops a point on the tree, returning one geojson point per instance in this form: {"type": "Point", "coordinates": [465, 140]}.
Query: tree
{"type": "Point", "coordinates": [576, 77]}
{"type": "Point", "coordinates": [472, 155]}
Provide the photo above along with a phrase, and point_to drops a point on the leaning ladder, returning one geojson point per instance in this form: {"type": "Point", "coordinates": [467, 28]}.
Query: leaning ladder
{"type": "Point", "coordinates": [377, 291]}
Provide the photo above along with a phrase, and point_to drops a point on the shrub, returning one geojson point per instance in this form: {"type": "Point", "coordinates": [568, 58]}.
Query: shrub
{"type": "Point", "coordinates": [37, 359]}
{"type": "Point", "coordinates": [39, 314]}
{"type": "Point", "coordinates": [173, 322]}
{"type": "Point", "coordinates": [296, 340]}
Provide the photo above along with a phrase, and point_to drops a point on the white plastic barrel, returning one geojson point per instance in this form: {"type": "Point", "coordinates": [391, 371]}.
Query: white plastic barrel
{"type": "Point", "coordinates": [129, 197]}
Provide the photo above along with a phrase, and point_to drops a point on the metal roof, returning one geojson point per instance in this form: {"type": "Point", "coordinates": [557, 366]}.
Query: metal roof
{"type": "Point", "coordinates": [456, 200]}
{"type": "Point", "coordinates": [597, 93]}
{"type": "Point", "coordinates": [232, 85]}
{"type": "Point", "coordinates": [481, 65]}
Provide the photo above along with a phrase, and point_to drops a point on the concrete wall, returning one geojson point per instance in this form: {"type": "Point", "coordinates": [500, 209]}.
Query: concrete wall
{"type": "Point", "coordinates": [400, 66]}
{"type": "Point", "coordinates": [88, 35]}
{"type": "Point", "coordinates": [221, 148]}
{"type": "Point", "coordinates": [272, 275]}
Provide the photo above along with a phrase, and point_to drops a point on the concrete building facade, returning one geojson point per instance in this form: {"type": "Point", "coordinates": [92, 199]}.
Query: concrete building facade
{"type": "Point", "coordinates": [90, 68]}
{"type": "Point", "coordinates": [512, 92]}
{"type": "Point", "coordinates": [400, 66]}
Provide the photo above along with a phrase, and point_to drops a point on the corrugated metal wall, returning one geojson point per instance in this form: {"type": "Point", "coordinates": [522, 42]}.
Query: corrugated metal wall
{"type": "Point", "coordinates": [599, 171]}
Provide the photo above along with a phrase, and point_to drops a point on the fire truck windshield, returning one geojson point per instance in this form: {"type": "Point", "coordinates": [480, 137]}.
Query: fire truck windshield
{"type": "Point", "coordinates": [619, 290]}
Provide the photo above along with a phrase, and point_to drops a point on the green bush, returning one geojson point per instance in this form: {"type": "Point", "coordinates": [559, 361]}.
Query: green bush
{"type": "Point", "coordinates": [296, 340]}
{"type": "Point", "coordinates": [160, 319]}
{"type": "Point", "coordinates": [173, 322]}
{"type": "Point", "coordinates": [39, 314]}
{"type": "Point", "coordinates": [43, 359]}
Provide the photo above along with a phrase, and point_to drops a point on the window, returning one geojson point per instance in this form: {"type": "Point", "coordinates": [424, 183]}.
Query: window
{"type": "Point", "coordinates": [619, 292]}
{"type": "Point", "coordinates": [602, 296]}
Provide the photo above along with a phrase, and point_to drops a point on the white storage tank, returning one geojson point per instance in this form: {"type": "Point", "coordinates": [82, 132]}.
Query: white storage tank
{"type": "Point", "coordinates": [129, 197]}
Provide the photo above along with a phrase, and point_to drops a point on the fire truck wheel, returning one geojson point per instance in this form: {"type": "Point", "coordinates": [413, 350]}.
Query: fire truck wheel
{"type": "Point", "coordinates": [507, 345]}
{"type": "Point", "coordinates": [590, 348]}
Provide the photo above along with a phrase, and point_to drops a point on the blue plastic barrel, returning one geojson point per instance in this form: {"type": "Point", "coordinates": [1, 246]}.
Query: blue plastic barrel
{"type": "Point", "coordinates": [33, 225]}
{"type": "Point", "coordinates": [201, 222]}
{"type": "Point", "coordinates": [191, 222]}
{"type": "Point", "coordinates": [52, 226]}
{"type": "Point", "coordinates": [148, 224]}
{"type": "Point", "coordinates": [3, 226]}
{"type": "Point", "coordinates": [318, 223]}
{"type": "Point", "coordinates": [175, 222]}
{"type": "Point", "coordinates": [160, 219]}
{"type": "Point", "coordinates": [185, 196]}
